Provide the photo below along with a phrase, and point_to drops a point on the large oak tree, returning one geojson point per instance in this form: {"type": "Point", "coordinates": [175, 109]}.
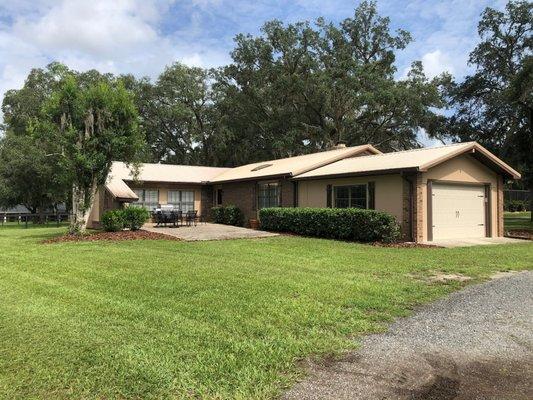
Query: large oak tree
{"type": "Point", "coordinates": [302, 87]}
{"type": "Point", "coordinates": [494, 105]}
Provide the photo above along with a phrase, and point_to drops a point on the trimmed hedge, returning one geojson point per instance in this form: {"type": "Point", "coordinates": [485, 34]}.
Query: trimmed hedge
{"type": "Point", "coordinates": [135, 217]}
{"type": "Point", "coordinates": [218, 215]}
{"type": "Point", "coordinates": [113, 221]}
{"type": "Point", "coordinates": [229, 215]}
{"type": "Point", "coordinates": [132, 218]}
{"type": "Point", "coordinates": [333, 223]}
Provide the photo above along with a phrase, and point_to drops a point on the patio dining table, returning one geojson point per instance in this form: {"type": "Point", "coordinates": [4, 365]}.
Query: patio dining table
{"type": "Point", "coordinates": [166, 216]}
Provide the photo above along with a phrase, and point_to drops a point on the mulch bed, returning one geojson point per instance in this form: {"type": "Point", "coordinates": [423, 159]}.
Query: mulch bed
{"type": "Point", "coordinates": [520, 234]}
{"type": "Point", "coordinates": [112, 237]}
{"type": "Point", "coordinates": [400, 245]}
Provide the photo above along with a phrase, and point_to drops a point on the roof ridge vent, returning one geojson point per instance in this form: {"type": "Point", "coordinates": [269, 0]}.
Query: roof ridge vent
{"type": "Point", "coordinates": [259, 167]}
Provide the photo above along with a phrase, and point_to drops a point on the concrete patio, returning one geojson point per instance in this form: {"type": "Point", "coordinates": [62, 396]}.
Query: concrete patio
{"type": "Point", "coordinates": [208, 232]}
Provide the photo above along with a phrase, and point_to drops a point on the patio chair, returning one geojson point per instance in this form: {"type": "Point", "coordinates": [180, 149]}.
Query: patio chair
{"type": "Point", "coordinates": [159, 218]}
{"type": "Point", "coordinates": [175, 218]}
{"type": "Point", "coordinates": [179, 217]}
{"type": "Point", "coordinates": [168, 217]}
{"type": "Point", "coordinates": [191, 217]}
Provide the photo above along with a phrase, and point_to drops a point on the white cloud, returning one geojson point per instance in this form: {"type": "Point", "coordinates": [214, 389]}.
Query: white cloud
{"type": "Point", "coordinates": [444, 32]}
{"type": "Point", "coordinates": [437, 62]}
{"type": "Point", "coordinates": [99, 28]}
{"type": "Point", "coordinates": [194, 60]}
{"type": "Point", "coordinates": [112, 36]}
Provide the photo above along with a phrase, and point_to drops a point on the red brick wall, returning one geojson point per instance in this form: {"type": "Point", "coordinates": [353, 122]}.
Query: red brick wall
{"type": "Point", "coordinates": [244, 195]}
{"type": "Point", "coordinates": [418, 226]}
{"type": "Point", "coordinates": [240, 194]}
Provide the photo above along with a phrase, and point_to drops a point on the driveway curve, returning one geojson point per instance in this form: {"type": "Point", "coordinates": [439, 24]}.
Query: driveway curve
{"type": "Point", "coordinates": [474, 344]}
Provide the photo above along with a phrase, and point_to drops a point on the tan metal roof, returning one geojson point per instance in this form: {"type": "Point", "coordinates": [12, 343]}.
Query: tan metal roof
{"type": "Point", "coordinates": [338, 162]}
{"type": "Point", "coordinates": [418, 159]}
{"type": "Point", "coordinates": [156, 173]}
{"type": "Point", "coordinates": [291, 166]}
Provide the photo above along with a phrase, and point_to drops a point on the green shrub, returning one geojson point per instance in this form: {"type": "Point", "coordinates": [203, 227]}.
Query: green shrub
{"type": "Point", "coordinates": [113, 221]}
{"type": "Point", "coordinates": [515, 205]}
{"type": "Point", "coordinates": [233, 216]}
{"type": "Point", "coordinates": [135, 217]}
{"type": "Point", "coordinates": [218, 215]}
{"type": "Point", "coordinates": [229, 215]}
{"type": "Point", "coordinates": [333, 223]}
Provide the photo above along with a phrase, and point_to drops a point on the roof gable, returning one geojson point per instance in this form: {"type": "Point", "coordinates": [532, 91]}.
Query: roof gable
{"type": "Point", "coordinates": [416, 160]}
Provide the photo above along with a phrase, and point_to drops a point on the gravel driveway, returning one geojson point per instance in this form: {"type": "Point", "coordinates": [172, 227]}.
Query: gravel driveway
{"type": "Point", "coordinates": [474, 344]}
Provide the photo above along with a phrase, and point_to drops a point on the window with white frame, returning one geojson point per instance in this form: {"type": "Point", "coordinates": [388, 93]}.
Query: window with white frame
{"type": "Point", "coordinates": [148, 198]}
{"type": "Point", "coordinates": [354, 196]}
{"type": "Point", "coordinates": [181, 199]}
{"type": "Point", "coordinates": [268, 195]}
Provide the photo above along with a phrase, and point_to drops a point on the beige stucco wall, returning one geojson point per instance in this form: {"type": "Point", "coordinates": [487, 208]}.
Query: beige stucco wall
{"type": "Point", "coordinates": [388, 192]}
{"type": "Point", "coordinates": [96, 209]}
{"type": "Point", "coordinates": [465, 169]}
{"type": "Point", "coordinates": [102, 202]}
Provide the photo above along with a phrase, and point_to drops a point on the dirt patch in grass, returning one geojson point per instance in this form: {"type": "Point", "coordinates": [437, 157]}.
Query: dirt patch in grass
{"type": "Point", "coordinates": [449, 277]}
{"type": "Point", "coordinates": [440, 277]}
{"type": "Point", "coordinates": [111, 236]}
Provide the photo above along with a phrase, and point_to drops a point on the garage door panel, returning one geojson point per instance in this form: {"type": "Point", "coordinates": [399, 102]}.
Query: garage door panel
{"type": "Point", "coordinates": [458, 211]}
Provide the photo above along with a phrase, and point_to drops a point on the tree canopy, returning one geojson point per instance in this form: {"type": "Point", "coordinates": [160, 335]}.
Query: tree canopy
{"type": "Point", "coordinates": [302, 87]}
{"type": "Point", "coordinates": [63, 130]}
{"type": "Point", "coordinates": [95, 123]}
{"type": "Point", "coordinates": [494, 105]}
{"type": "Point", "coordinates": [296, 88]}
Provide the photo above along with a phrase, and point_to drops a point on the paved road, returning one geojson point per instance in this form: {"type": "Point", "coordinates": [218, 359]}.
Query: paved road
{"type": "Point", "coordinates": [475, 344]}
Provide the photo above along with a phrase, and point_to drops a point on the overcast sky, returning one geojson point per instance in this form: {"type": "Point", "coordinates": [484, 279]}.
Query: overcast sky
{"type": "Point", "coordinates": [142, 36]}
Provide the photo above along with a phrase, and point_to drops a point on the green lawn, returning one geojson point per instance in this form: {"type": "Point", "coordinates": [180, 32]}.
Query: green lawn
{"type": "Point", "coordinates": [222, 319]}
{"type": "Point", "coordinates": [518, 220]}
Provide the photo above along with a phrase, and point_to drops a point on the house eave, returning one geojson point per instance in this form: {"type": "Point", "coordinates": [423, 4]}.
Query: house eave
{"type": "Point", "coordinates": [355, 174]}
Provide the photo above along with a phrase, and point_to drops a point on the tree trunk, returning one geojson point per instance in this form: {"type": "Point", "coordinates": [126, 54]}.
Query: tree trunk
{"type": "Point", "coordinates": [81, 208]}
{"type": "Point", "coordinates": [77, 220]}
{"type": "Point", "coordinates": [531, 200]}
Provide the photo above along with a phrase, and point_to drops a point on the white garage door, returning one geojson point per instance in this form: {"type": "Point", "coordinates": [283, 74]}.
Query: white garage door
{"type": "Point", "coordinates": [458, 211]}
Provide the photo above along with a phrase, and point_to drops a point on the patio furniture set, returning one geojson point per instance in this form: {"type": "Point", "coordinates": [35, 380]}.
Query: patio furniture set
{"type": "Point", "coordinates": [165, 216]}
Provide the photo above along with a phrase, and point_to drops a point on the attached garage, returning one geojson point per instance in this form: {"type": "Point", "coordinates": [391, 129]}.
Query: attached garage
{"type": "Point", "coordinates": [439, 193]}
{"type": "Point", "coordinates": [458, 211]}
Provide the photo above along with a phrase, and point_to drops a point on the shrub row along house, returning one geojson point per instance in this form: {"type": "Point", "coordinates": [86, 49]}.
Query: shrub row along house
{"type": "Point", "coordinates": [453, 191]}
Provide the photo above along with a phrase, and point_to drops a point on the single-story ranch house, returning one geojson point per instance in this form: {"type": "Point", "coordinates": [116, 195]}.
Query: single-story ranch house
{"type": "Point", "coordinates": [453, 191]}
